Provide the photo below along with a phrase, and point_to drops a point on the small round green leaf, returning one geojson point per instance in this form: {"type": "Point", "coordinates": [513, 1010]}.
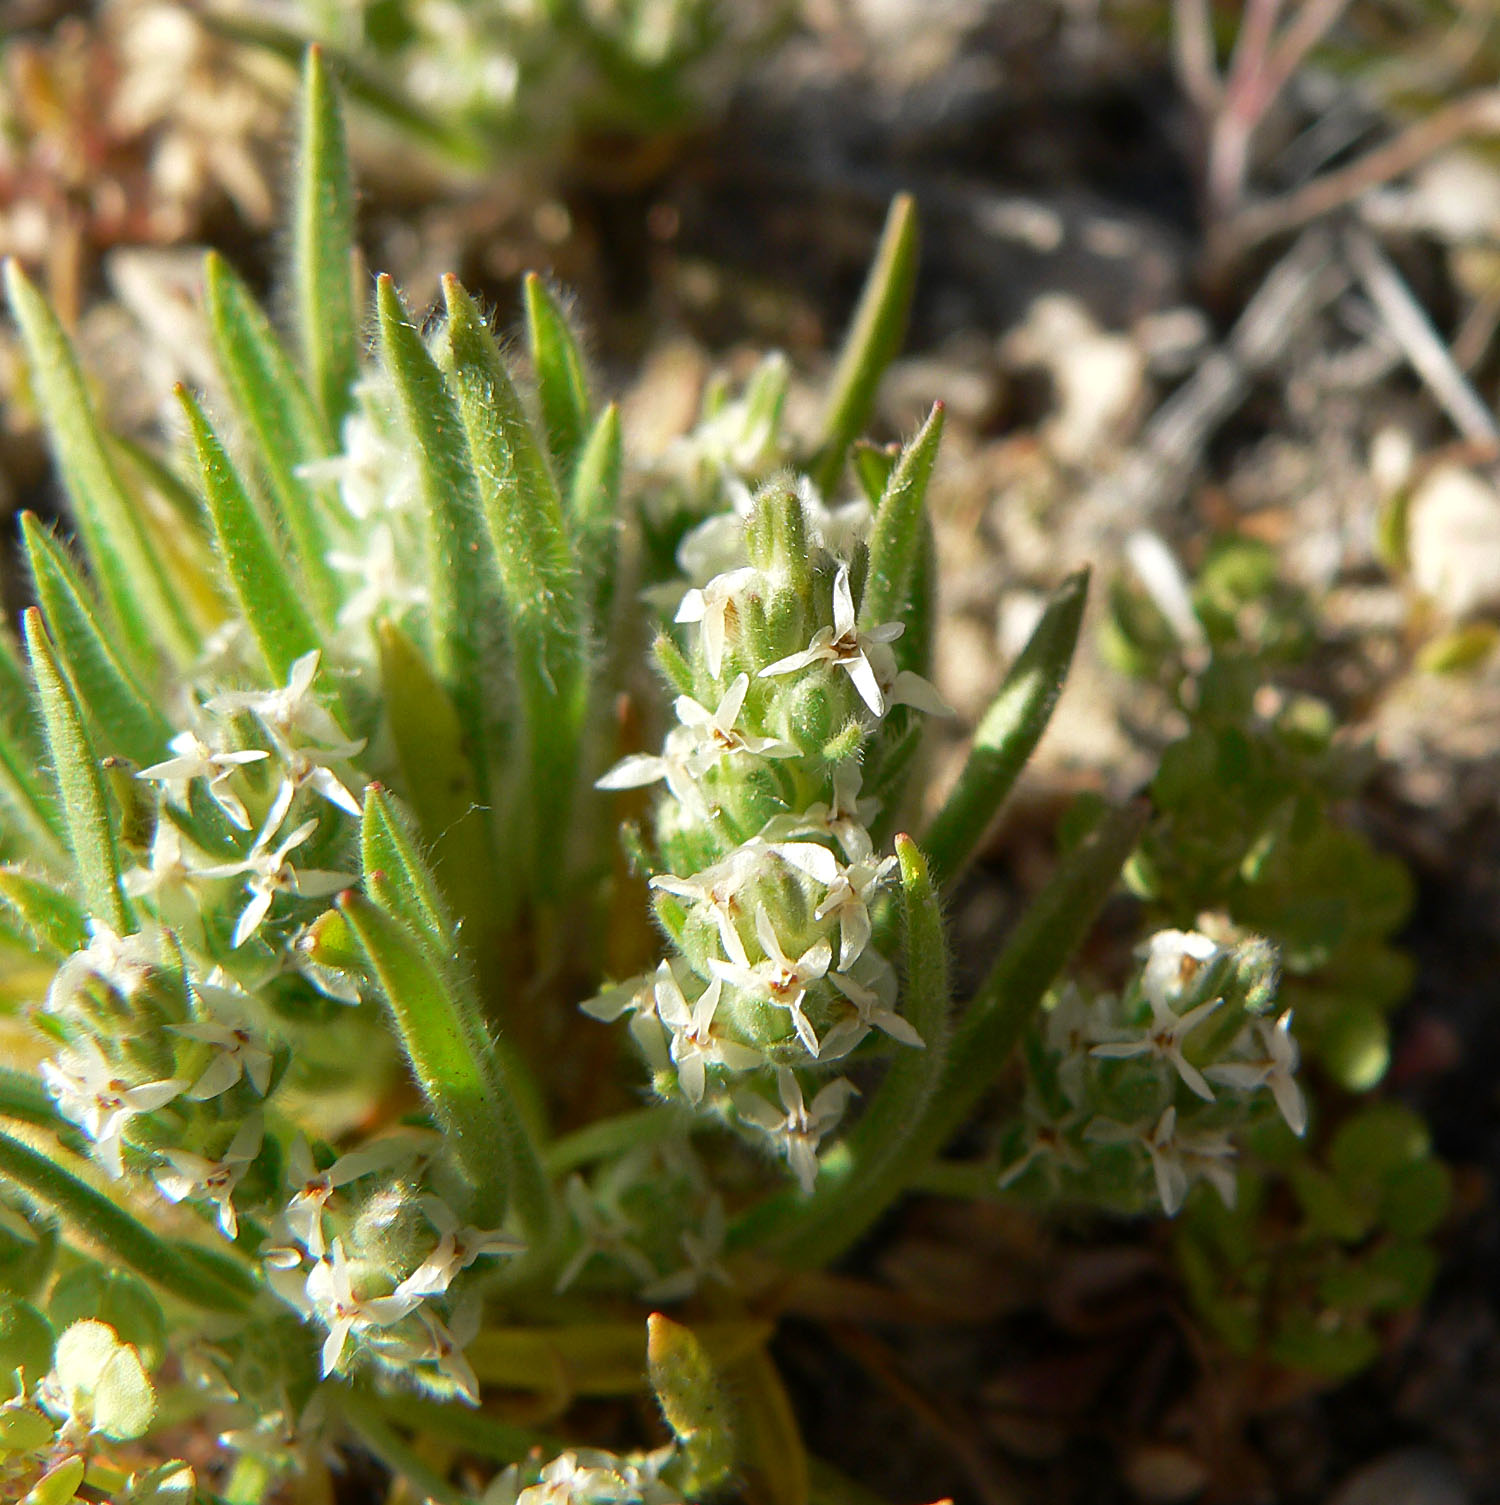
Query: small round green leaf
{"type": "Point", "coordinates": [115, 1297]}
{"type": "Point", "coordinates": [25, 1345]}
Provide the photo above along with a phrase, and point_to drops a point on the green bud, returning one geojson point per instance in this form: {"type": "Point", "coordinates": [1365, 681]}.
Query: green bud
{"type": "Point", "coordinates": [692, 1400]}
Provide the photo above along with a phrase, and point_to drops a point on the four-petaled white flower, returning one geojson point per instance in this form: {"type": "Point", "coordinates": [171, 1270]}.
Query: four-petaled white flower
{"type": "Point", "coordinates": [197, 760]}
{"type": "Point", "coordinates": [330, 1289]}
{"type": "Point", "coordinates": [719, 886]}
{"type": "Point", "coordinates": [715, 734]}
{"type": "Point", "coordinates": [713, 608]}
{"type": "Point", "coordinates": [703, 1250]}
{"type": "Point", "coordinates": [1177, 1159]}
{"type": "Point", "coordinates": [302, 1218]}
{"type": "Point", "coordinates": [291, 708]}
{"type": "Point", "coordinates": [214, 1180]}
{"type": "Point", "coordinates": [636, 997]}
{"type": "Point", "coordinates": [122, 962]}
{"type": "Point", "coordinates": [1273, 1069]}
{"type": "Point", "coordinates": [777, 979]}
{"type": "Point", "coordinates": [308, 768]}
{"type": "Point", "coordinates": [89, 1094]}
{"type": "Point", "coordinates": [871, 989]}
{"type": "Point", "coordinates": [1163, 980]}
{"type": "Point", "coordinates": [845, 817]}
{"type": "Point", "coordinates": [695, 1046]}
{"type": "Point", "coordinates": [845, 647]}
{"type": "Point", "coordinates": [383, 584]}
{"type": "Point", "coordinates": [268, 872]}
{"type": "Point", "coordinates": [800, 1128]}
{"type": "Point", "coordinates": [1046, 1141]}
{"type": "Point", "coordinates": [457, 1248]}
{"type": "Point", "coordinates": [848, 900]}
{"type": "Point", "coordinates": [238, 1054]}
{"type": "Point", "coordinates": [602, 1229]}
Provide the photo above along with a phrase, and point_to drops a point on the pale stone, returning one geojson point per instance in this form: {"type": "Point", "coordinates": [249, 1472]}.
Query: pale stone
{"type": "Point", "coordinates": [1453, 542]}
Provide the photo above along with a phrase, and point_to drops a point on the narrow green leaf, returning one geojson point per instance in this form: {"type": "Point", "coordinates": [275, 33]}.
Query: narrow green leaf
{"type": "Point", "coordinates": [561, 381]}
{"type": "Point", "coordinates": [897, 538]}
{"type": "Point", "coordinates": [279, 415]}
{"type": "Point", "coordinates": [458, 1070]}
{"type": "Point", "coordinates": [91, 838]}
{"type": "Point", "coordinates": [1049, 932]}
{"type": "Point", "coordinates": [323, 248]}
{"type": "Point", "coordinates": [884, 1149]}
{"type": "Point", "coordinates": [1009, 732]}
{"type": "Point", "coordinates": [465, 620]}
{"type": "Point", "coordinates": [363, 1413]}
{"type": "Point", "coordinates": [126, 1240]}
{"type": "Point", "coordinates": [538, 574]}
{"type": "Point", "coordinates": [142, 602]}
{"type": "Point", "coordinates": [593, 512]}
{"type": "Point", "coordinates": [253, 556]}
{"type": "Point", "coordinates": [49, 915]}
{"type": "Point", "coordinates": [126, 717]}
{"type": "Point", "coordinates": [388, 844]}
{"type": "Point", "coordinates": [873, 464]}
{"type": "Point", "coordinates": [441, 789]}
{"type": "Point", "coordinates": [32, 823]}
{"type": "Point", "coordinates": [692, 1400]}
{"type": "Point", "coordinates": [24, 1098]}
{"type": "Point", "coordinates": [873, 341]}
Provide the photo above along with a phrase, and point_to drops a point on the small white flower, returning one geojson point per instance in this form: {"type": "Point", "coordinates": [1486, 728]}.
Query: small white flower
{"type": "Point", "coordinates": [641, 769]}
{"type": "Point", "coordinates": [720, 885]}
{"type": "Point", "coordinates": [873, 996]}
{"type": "Point", "coordinates": [636, 997]}
{"type": "Point", "coordinates": [89, 1094]}
{"type": "Point", "coordinates": [777, 979]}
{"type": "Point", "coordinates": [1177, 1159]}
{"type": "Point", "coordinates": [715, 734]}
{"type": "Point", "coordinates": [844, 818]}
{"type": "Point", "coordinates": [703, 1250]}
{"type": "Point", "coordinates": [799, 1129]}
{"type": "Point", "coordinates": [331, 1292]}
{"type": "Point", "coordinates": [713, 608]}
{"type": "Point", "coordinates": [122, 962]}
{"type": "Point", "coordinates": [845, 647]}
{"type": "Point", "coordinates": [695, 1046]}
{"type": "Point", "coordinates": [302, 1218]}
{"type": "Point", "coordinates": [373, 474]}
{"type": "Point", "coordinates": [197, 760]}
{"type": "Point", "coordinates": [238, 1054]}
{"type": "Point", "coordinates": [603, 1229]}
{"type": "Point", "coordinates": [457, 1248]}
{"type": "Point", "coordinates": [383, 584]}
{"type": "Point", "coordinates": [291, 708]}
{"type": "Point", "coordinates": [1174, 958]}
{"type": "Point", "coordinates": [1275, 1069]}
{"type": "Point", "coordinates": [848, 900]}
{"type": "Point", "coordinates": [1046, 1140]}
{"type": "Point", "coordinates": [268, 872]}
{"type": "Point", "coordinates": [308, 768]}
{"type": "Point", "coordinates": [214, 1180]}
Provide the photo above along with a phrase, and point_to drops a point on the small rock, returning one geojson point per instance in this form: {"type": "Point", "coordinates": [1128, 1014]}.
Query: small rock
{"type": "Point", "coordinates": [1453, 542]}
{"type": "Point", "coordinates": [1164, 1475]}
{"type": "Point", "coordinates": [1414, 1476]}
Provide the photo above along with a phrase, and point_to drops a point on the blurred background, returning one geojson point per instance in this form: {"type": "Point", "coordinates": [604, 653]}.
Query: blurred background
{"type": "Point", "coordinates": [1211, 289]}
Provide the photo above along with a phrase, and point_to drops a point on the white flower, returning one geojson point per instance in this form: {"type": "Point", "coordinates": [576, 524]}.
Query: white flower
{"type": "Point", "coordinates": [844, 818]}
{"type": "Point", "coordinates": [1046, 1140]}
{"type": "Point", "coordinates": [331, 1292]}
{"type": "Point", "coordinates": [603, 1229]}
{"type": "Point", "coordinates": [438, 1346]}
{"type": "Point", "coordinates": [800, 1128]}
{"type": "Point", "coordinates": [719, 886]}
{"type": "Point", "coordinates": [844, 647]}
{"type": "Point", "coordinates": [100, 1103]}
{"type": "Point", "coordinates": [197, 760]}
{"type": "Point", "coordinates": [636, 997]}
{"type": "Point", "coordinates": [215, 1180]}
{"type": "Point", "coordinates": [1072, 1026]}
{"type": "Point", "coordinates": [292, 708]}
{"type": "Point", "coordinates": [713, 607]}
{"type": "Point", "coordinates": [1177, 1160]}
{"type": "Point", "coordinates": [269, 873]}
{"type": "Point", "coordinates": [308, 768]}
{"type": "Point", "coordinates": [703, 1251]}
{"type": "Point", "coordinates": [122, 962]}
{"type": "Point", "coordinates": [1273, 1069]}
{"type": "Point", "coordinates": [1173, 959]}
{"type": "Point", "coordinates": [848, 900]}
{"type": "Point", "coordinates": [457, 1248]}
{"type": "Point", "coordinates": [873, 996]}
{"type": "Point", "coordinates": [777, 979]}
{"type": "Point", "coordinates": [302, 1218]}
{"type": "Point", "coordinates": [373, 474]}
{"type": "Point", "coordinates": [238, 1055]}
{"type": "Point", "coordinates": [695, 1047]}
{"type": "Point", "coordinates": [382, 583]}
{"type": "Point", "coordinates": [715, 734]}
{"type": "Point", "coordinates": [640, 769]}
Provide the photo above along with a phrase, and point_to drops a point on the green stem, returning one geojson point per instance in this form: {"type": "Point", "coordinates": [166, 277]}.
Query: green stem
{"type": "Point", "coordinates": [613, 1136]}
{"type": "Point", "coordinates": [366, 1419]}
{"type": "Point", "coordinates": [126, 1239]}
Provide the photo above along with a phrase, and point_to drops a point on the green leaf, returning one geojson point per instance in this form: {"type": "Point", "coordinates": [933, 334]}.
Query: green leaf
{"type": "Point", "coordinates": [458, 1070]}
{"type": "Point", "coordinates": [129, 721]}
{"type": "Point", "coordinates": [897, 538]}
{"type": "Point", "coordinates": [1009, 732]}
{"type": "Point", "coordinates": [593, 509]}
{"type": "Point", "coordinates": [277, 412]}
{"type": "Point", "coordinates": [872, 343]}
{"type": "Point", "coordinates": [387, 844]}
{"type": "Point", "coordinates": [538, 575]}
{"type": "Point", "coordinates": [562, 387]}
{"type": "Point", "coordinates": [143, 605]}
{"type": "Point", "coordinates": [25, 1344]}
{"type": "Point", "coordinates": [103, 1378]}
{"type": "Point", "coordinates": [60, 1484]}
{"type": "Point", "coordinates": [116, 1297]}
{"type": "Point", "coordinates": [873, 464]}
{"type": "Point", "coordinates": [47, 913]}
{"type": "Point", "coordinates": [692, 1401]}
{"type": "Point", "coordinates": [465, 620]}
{"type": "Point", "coordinates": [254, 557]}
{"type": "Point", "coordinates": [323, 249]}
{"type": "Point", "coordinates": [127, 1240]}
{"type": "Point", "coordinates": [29, 815]}
{"type": "Point", "coordinates": [91, 837]}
